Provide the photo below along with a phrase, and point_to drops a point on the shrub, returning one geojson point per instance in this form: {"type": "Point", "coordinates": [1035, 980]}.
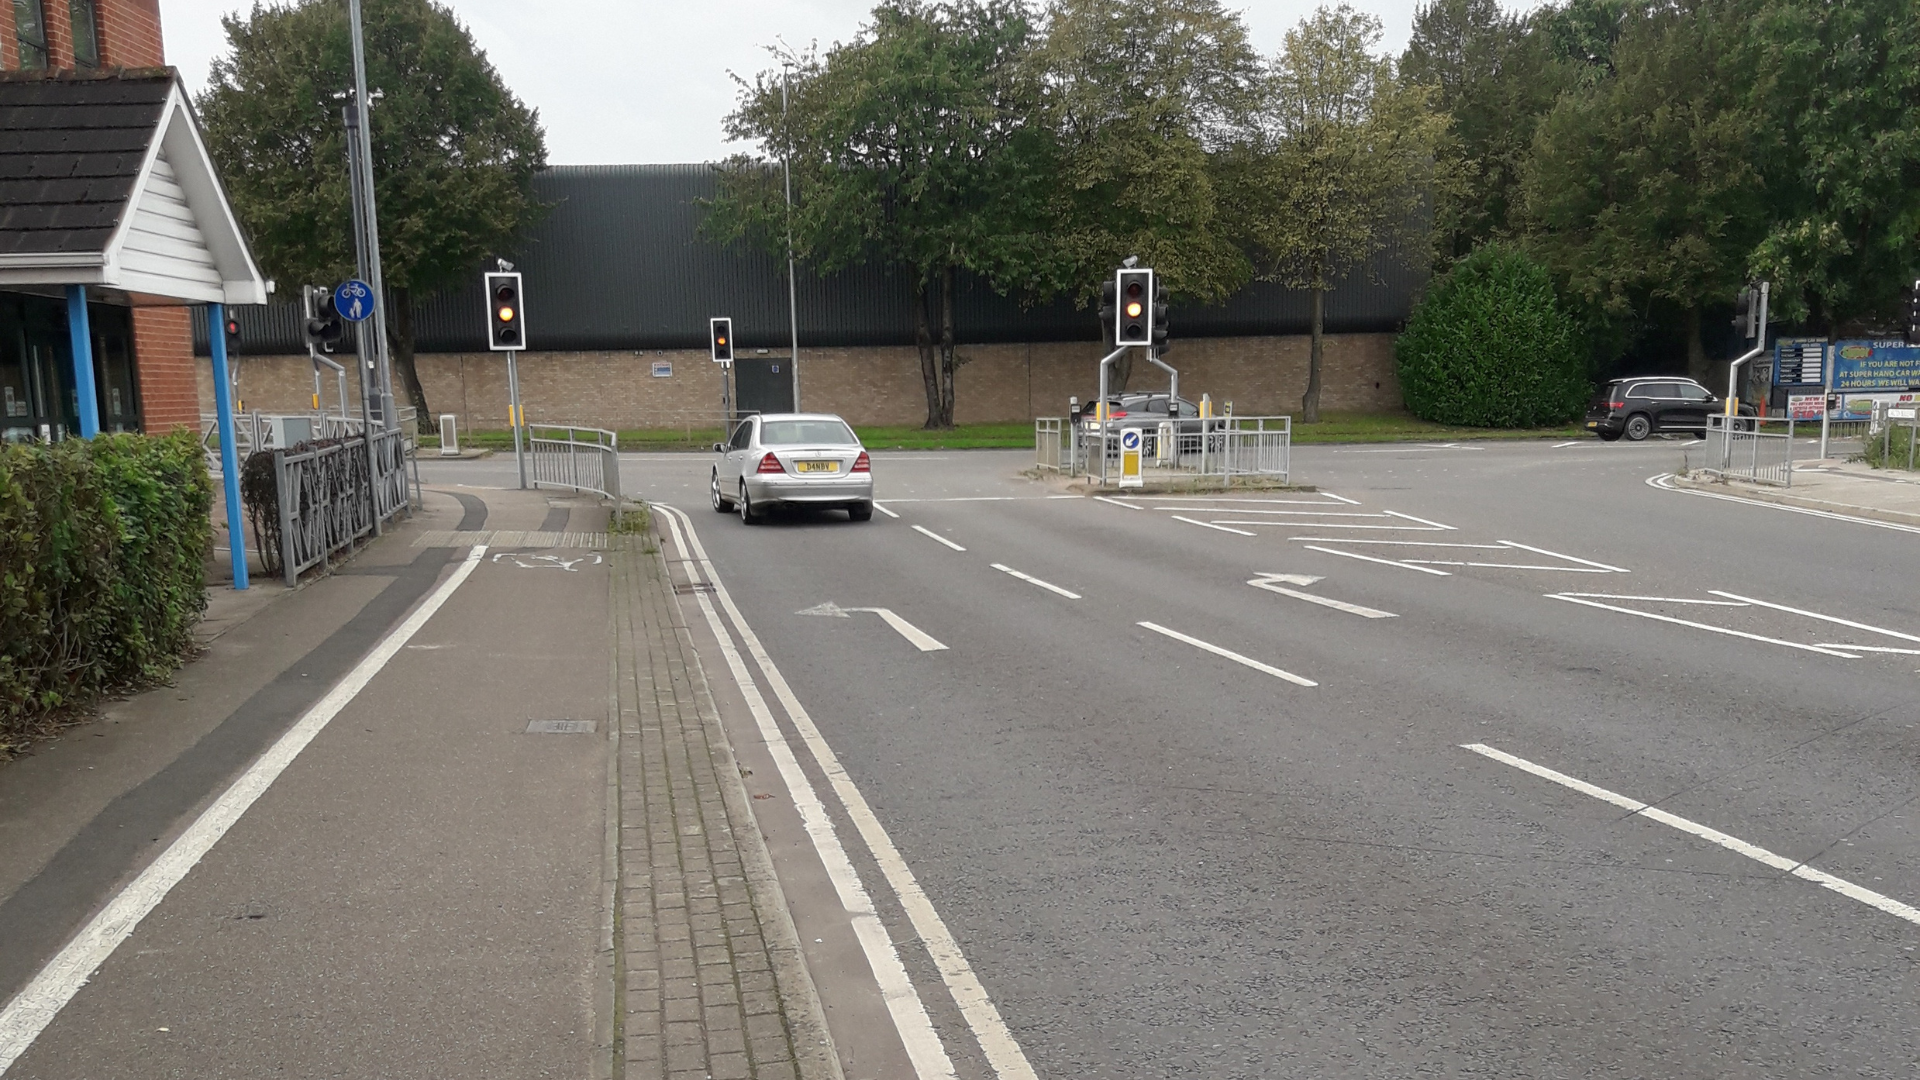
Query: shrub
{"type": "Point", "coordinates": [102, 552]}
{"type": "Point", "coordinates": [1490, 346]}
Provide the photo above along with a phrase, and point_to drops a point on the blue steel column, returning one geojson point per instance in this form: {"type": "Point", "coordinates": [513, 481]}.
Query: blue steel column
{"type": "Point", "coordinates": [82, 334]}
{"type": "Point", "coordinates": [229, 461]}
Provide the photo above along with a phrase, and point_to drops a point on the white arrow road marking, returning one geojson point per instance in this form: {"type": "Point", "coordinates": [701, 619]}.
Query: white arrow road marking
{"type": "Point", "coordinates": [1049, 586]}
{"type": "Point", "coordinates": [1575, 598]}
{"type": "Point", "coordinates": [924, 531]}
{"type": "Point", "coordinates": [920, 638]}
{"type": "Point", "coordinates": [1266, 581]}
{"type": "Point", "coordinates": [1230, 654]}
{"type": "Point", "coordinates": [1711, 835]}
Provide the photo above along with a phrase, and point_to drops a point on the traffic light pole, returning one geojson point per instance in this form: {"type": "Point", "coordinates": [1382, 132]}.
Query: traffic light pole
{"type": "Point", "coordinates": [371, 216]}
{"type": "Point", "coordinates": [515, 414]}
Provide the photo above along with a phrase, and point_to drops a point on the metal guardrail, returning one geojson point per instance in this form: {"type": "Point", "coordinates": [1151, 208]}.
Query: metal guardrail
{"type": "Point", "coordinates": [1741, 448]}
{"type": "Point", "coordinates": [327, 499]}
{"type": "Point", "coordinates": [575, 458]}
{"type": "Point", "coordinates": [1223, 446]}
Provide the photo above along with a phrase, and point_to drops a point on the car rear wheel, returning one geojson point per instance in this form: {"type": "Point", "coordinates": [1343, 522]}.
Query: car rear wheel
{"type": "Point", "coordinates": [1638, 427]}
{"type": "Point", "coordinates": [860, 512]}
{"type": "Point", "coordinates": [720, 503]}
{"type": "Point", "coordinates": [748, 515]}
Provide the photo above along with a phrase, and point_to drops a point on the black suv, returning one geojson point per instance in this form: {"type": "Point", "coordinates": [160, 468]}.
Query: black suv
{"type": "Point", "coordinates": [1639, 406]}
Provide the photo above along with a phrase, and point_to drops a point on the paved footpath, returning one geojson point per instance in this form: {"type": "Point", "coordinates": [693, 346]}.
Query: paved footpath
{"type": "Point", "coordinates": [711, 976]}
{"type": "Point", "coordinates": [430, 885]}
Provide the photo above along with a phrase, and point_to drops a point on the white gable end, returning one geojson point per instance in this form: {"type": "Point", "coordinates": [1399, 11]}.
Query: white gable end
{"type": "Point", "coordinates": [162, 250]}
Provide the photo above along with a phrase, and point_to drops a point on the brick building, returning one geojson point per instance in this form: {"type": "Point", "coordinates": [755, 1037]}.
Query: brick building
{"type": "Point", "coordinates": [142, 346]}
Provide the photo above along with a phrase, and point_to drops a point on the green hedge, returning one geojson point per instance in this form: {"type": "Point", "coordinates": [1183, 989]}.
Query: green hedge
{"type": "Point", "coordinates": [1490, 346]}
{"type": "Point", "coordinates": [102, 568]}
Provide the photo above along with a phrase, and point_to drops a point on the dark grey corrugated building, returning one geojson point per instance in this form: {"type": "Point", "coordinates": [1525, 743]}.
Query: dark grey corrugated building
{"type": "Point", "coordinates": [619, 263]}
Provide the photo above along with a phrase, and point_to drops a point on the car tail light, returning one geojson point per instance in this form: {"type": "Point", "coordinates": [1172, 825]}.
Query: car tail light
{"type": "Point", "coordinates": [770, 464]}
{"type": "Point", "coordinates": [1616, 404]}
{"type": "Point", "coordinates": [1117, 413]}
{"type": "Point", "coordinates": [863, 463]}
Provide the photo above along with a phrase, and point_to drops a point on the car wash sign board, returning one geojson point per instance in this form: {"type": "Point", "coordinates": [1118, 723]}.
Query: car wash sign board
{"type": "Point", "coordinates": [1876, 365]}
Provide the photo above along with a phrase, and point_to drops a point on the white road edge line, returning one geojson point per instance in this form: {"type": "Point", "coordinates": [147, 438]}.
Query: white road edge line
{"type": "Point", "coordinates": [1815, 615]}
{"type": "Point", "coordinates": [1383, 562]}
{"type": "Point", "coordinates": [1117, 502]}
{"type": "Point", "coordinates": [1657, 599]}
{"type": "Point", "coordinates": [885, 511]}
{"type": "Point", "coordinates": [1421, 520]}
{"type": "Point", "coordinates": [909, 1013]}
{"type": "Point", "coordinates": [1230, 654]}
{"type": "Point", "coordinates": [36, 1005]}
{"type": "Point", "coordinates": [924, 531]}
{"type": "Point", "coordinates": [1002, 1051]}
{"type": "Point", "coordinates": [1755, 852]}
{"type": "Point", "coordinates": [1311, 598]}
{"type": "Point", "coordinates": [1573, 598]}
{"type": "Point", "coordinates": [1210, 525]}
{"type": "Point", "coordinates": [1663, 482]}
{"type": "Point", "coordinates": [1400, 543]}
{"type": "Point", "coordinates": [1031, 580]}
{"type": "Point", "coordinates": [1576, 442]}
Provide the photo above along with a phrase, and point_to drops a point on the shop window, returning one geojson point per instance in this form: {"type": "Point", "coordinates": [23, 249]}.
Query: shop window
{"type": "Point", "coordinates": [30, 31]}
{"type": "Point", "coordinates": [86, 33]}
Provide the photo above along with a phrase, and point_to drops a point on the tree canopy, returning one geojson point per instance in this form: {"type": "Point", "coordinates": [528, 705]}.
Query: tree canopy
{"type": "Point", "coordinates": [454, 152]}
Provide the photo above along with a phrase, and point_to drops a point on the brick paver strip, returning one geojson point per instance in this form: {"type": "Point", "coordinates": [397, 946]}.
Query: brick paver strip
{"type": "Point", "coordinates": [698, 917]}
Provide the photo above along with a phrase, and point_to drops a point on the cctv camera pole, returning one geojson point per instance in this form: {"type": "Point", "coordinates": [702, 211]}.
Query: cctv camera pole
{"type": "Point", "coordinates": [371, 217]}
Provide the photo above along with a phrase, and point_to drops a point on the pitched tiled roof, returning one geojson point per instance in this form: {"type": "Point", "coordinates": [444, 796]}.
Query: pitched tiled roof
{"type": "Point", "coordinates": [70, 151]}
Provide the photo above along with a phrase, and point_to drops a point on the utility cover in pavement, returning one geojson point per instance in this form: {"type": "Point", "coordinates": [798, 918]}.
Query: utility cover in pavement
{"type": "Point", "coordinates": [561, 727]}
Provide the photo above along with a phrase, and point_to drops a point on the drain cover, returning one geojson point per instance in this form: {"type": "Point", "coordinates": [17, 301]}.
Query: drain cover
{"type": "Point", "coordinates": [561, 727]}
{"type": "Point", "coordinates": [688, 588]}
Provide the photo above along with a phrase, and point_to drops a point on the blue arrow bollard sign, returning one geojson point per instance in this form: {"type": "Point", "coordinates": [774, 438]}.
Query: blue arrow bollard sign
{"type": "Point", "coordinates": [353, 300]}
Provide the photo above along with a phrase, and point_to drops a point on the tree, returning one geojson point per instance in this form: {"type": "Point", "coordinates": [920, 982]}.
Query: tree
{"type": "Point", "coordinates": [1494, 75]}
{"type": "Point", "coordinates": [1490, 346]}
{"type": "Point", "coordinates": [454, 152]}
{"type": "Point", "coordinates": [911, 146]}
{"type": "Point", "coordinates": [1835, 92]}
{"type": "Point", "coordinates": [1142, 98]}
{"type": "Point", "coordinates": [1641, 186]}
{"type": "Point", "coordinates": [1342, 166]}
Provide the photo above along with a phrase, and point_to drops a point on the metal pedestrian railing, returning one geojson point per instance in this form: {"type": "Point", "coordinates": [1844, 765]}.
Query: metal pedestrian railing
{"type": "Point", "coordinates": [332, 494]}
{"type": "Point", "coordinates": [1222, 446]}
{"type": "Point", "coordinates": [1755, 449]}
{"type": "Point", "coordinates": [575, 458]}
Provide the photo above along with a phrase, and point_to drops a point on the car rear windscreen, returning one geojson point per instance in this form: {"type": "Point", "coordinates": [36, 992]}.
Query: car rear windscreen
{"type": "Point", "coordinates": [805, 433]}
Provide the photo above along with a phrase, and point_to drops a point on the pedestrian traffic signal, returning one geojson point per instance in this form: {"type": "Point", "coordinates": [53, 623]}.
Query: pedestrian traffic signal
{"type": "Point", "coordinates": [1160, 320]}
{"type": "Point", "coordinates": [720, 339]}
{"type": "Point", "coordinates": [325, 328]}
{"type": "Point", "coordinates": [506, 313]}
{"type": "Point", "coordinates": [1133, 323]}
{"type": "Point", "coordinates": [233, 335]}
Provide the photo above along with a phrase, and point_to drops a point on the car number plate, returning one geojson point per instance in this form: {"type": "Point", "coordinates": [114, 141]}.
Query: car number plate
{"type": "Point", "coordinates": [1593, 423]}
{"type": "Point", "coordinates": [819, 466]}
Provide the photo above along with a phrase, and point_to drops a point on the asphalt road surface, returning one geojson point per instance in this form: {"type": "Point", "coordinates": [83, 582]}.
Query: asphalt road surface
{"type": "Point", "coordinates": [1575, 775]}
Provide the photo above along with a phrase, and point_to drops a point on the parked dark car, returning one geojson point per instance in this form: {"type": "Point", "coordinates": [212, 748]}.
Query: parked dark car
{"type": "Point", "coordinates": [1645, 404]}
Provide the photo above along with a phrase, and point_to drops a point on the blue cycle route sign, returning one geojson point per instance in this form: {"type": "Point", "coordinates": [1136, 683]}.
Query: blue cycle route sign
{"type": "Point", "coordinates": [353, 300]}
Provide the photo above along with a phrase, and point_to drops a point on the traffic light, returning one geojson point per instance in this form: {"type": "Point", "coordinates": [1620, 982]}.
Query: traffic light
{"type": "Point", "coordinates": [1108, 311]}
{"type": "Point", "coordinates": [1133, 323]}
{"type": "Point", "coordinates": [233, 336]}
{"type": "Point", "coordinates": [720, 339]}
{"type": "Point", "coordinates": [1746, 313]}
{"type": "Point", "coordinates": [1160, 320]}
{"type": "Point", "coordinates": [506, 313]}
{"type": "Point", "coordinates": [1913, 315]}
{"type": "Point", "coordinates": [325, 328]}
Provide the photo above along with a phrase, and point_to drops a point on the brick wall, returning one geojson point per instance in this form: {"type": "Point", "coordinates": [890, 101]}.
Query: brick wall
{"type": "Point", "coordinates": [169, 383]}
{"type": "Point", "coordinates": [881, 386]}
{"type": "Point", "coordinates": [128, 32]}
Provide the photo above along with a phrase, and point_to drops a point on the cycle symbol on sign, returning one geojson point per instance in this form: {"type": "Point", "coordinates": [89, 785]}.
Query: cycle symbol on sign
{"type": "Point", "coordinates": [353, 300]}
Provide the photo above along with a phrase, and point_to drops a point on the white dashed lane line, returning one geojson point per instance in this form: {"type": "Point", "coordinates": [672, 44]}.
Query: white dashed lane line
{"type": "Point", "coordinates": [1230, 655]}
{"type": "Point", "coordinates": [1210, 525]}
{"type": "Point", "coordinates": [924, 531]}
{"type": "Point", "coordinates": [885, 511]}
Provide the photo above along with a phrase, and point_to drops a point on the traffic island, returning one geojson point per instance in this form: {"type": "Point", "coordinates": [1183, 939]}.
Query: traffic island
{"type": "Point", "coordinates": [1829, 486]}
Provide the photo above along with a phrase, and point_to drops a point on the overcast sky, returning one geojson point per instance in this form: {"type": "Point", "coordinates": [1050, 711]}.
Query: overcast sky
{"type": "Point", "coordinates": [625, 82]}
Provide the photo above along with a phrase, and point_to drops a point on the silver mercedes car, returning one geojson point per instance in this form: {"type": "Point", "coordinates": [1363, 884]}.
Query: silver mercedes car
{"type": "Point", "coordinates": [792, 459]}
